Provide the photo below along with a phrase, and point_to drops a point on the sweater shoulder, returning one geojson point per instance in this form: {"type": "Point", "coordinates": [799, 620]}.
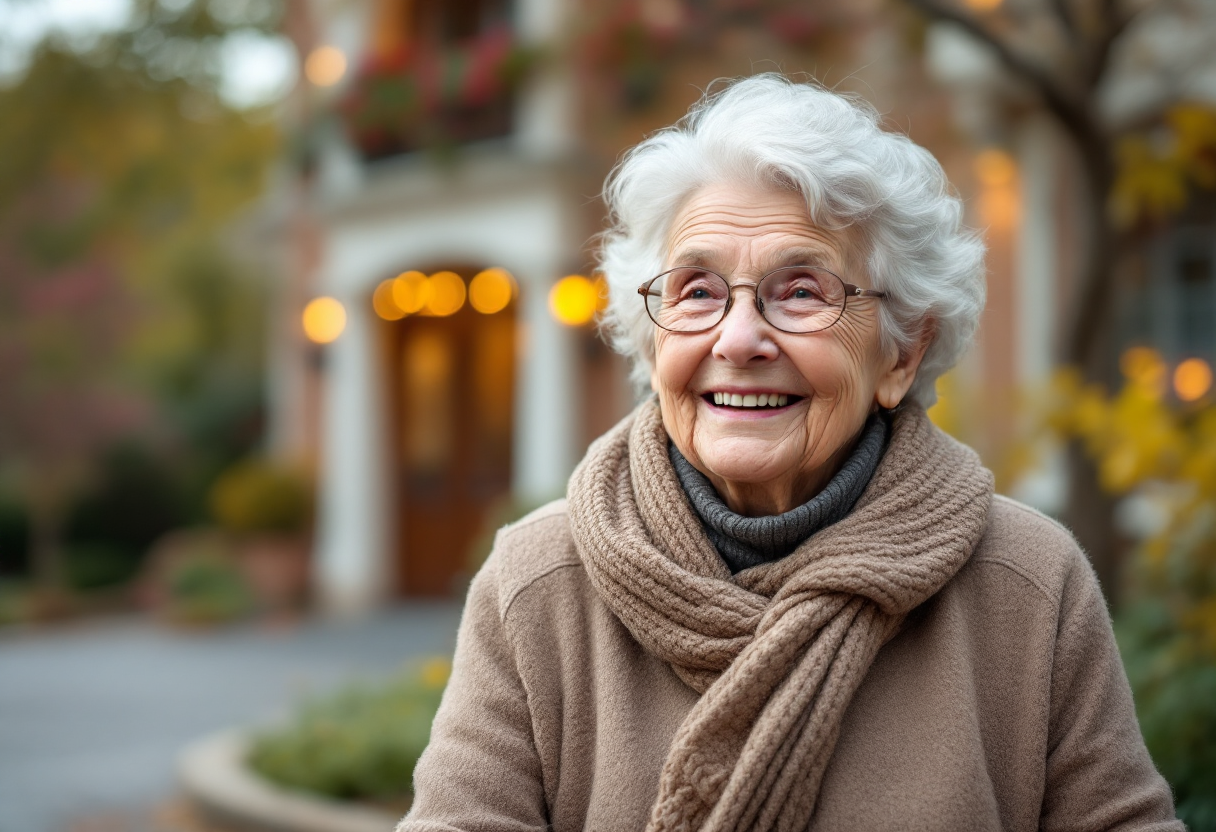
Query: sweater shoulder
{"type": "Point", "coordinates": [532, 548]}
{"type": "Point", "coordinates": [1039, 550]}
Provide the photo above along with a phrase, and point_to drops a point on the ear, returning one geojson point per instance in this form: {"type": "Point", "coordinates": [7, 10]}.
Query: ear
{"type": "Point", "coordinates": [894, 383]}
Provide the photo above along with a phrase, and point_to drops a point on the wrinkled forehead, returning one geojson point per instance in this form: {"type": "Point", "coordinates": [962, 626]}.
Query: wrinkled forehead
{"type": "Point", "coordinates": [755, 228]}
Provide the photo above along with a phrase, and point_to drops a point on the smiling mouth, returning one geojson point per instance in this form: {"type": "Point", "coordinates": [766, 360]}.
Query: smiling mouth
{"type": "Point", "coordinates": [751, 400]}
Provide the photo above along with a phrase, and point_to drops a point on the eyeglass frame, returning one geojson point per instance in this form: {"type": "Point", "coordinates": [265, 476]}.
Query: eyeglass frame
{"type": "Point", "coordinates": [850, 290]}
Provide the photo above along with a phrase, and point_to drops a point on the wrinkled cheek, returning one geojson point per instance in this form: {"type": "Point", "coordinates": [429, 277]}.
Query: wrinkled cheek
{"type": "Point", "coordinates": [675, 364]}
{"type": "Point", "coordinates": [677, 405]}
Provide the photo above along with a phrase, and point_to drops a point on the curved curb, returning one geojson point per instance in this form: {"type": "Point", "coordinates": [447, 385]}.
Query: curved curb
{"type": "Point", "coordinates": [212, 773]}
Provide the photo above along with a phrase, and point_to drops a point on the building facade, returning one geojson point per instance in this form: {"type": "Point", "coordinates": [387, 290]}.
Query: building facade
{"type": "Point", "coordinates": [439, 142]}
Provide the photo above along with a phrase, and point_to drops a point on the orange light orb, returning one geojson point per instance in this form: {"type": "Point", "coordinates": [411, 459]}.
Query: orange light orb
{"type": "Point", "coordinates": [1192, 379]}
{"type": "Point", "coordinates": [1144, 366]}
{"type": "Point", "coordinates": [995, 168]}
{"type": "Point", "coordinates": [325, 66]}
{"type": "Point", "coordinates": [491, 290]}
{"type": "Point", "coordinates": [411, 291]}
{"type": "Point", "coordinates": [324, 319]}
{"type": "Point", "coordinates": [446, 294]}
{"type": "Point", "coordinates": [384, 304]}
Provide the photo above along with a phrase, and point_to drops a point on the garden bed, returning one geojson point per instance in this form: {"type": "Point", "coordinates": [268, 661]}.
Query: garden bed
{"type": "Point", "coordinates": [214, 775]}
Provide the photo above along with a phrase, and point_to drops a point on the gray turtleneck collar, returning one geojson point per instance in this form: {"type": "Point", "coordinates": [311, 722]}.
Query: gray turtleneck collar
{"type": "Point", "coordinates": [747, 541]}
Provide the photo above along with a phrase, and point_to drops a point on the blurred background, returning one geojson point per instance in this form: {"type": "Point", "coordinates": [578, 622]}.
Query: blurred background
{"type": "Point", "coordinates": [297, 306]}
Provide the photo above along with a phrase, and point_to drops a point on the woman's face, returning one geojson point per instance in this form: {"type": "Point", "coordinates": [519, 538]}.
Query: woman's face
{"type": "Point", "coordinates": [767, 460]}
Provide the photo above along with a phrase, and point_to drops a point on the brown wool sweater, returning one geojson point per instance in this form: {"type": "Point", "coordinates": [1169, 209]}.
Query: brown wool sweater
{"type": "Point", "coordinates": [998, 703]}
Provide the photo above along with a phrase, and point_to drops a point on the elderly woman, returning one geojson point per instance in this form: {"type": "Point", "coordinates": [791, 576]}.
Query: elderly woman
{"type": "Point", "coordinates": [776, 596]}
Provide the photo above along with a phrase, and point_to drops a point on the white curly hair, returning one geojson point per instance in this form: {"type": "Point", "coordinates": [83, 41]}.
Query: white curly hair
{"type": "Point", "coordinates": [887, 193]}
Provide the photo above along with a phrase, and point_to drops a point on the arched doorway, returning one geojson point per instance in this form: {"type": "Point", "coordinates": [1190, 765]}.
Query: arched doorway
{"type": "Point", "coordinates": [451, 405]}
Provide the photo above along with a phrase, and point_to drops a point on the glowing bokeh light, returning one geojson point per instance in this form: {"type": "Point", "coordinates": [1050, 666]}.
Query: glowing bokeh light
{"type": "Point", "coordinates": [983, 5]}
{"type": "Point", "coordinates": [445, 294]}
{"type": "Point", "coordinates": [573, 300]}
{"type": "Point", "coordinates": [1143, 366]}
{"type": "Point", "coordinates": [601, 293]}
{"type": "Point", "coordinates": [995, 168]}
{"type": "Point", "coordinates": [999, 208]}
{"type": "Point", "coordinates": [1192, 379]}
{"type": "Point", "coordinates": [411, 291]}
{"type": "Point", "coordinates": [491, 290]}
{"type": "Point", "coordinates": [325, 66]}
{"type": "Point", "coordinates": [384, 303]}
{"type": "Point", "coordinates": [324, 319]}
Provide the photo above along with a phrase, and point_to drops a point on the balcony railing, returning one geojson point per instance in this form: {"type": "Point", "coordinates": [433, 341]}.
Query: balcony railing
{"type": "Point", "coordinates": [428, 97]}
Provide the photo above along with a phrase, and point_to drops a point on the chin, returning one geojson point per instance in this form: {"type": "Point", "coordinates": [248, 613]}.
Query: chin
{"type": "Point", "coordinates": [749, 460]}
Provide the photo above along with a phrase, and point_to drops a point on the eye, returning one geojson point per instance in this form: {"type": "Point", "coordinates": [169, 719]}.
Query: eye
{"type": "Point", "coordinates": [803, 288]}
{"type": "Point", "coordinates": [696, 285]}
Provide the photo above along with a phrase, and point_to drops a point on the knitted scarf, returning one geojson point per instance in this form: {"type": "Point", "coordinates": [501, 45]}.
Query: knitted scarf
{"type": "Point", "coordinates": [778, 651]}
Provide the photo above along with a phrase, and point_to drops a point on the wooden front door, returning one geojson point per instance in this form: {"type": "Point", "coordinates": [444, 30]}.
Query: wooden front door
{"type": "Point", "coordinates": [453, 402]}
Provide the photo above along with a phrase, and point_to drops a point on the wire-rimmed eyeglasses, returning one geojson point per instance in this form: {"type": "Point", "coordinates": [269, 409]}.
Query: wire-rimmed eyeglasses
{"type": "Point", "coordinates": [794, 299]}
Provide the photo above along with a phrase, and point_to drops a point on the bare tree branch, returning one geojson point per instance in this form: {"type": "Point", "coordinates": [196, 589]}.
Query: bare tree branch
{"type": "Point", "coordinates": [1072, 113]}
{"type": "Point", "coordinates": [1114, 25]}
{"type": "Point", "coordinates": [1067, 21]}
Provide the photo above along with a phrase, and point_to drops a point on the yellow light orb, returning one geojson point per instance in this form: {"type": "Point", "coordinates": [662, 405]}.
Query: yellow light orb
{"type": "Point", "coordinates": [325, 66]}
{"type": "Point", "coordinates": [1143, 366]}
{"type": "Point", "coordinates": [491, 290]}
{"type": "Point", "coordinates": [1192, 379]}
{"type": "Point", "coordinates": [411, 291]}
{"type": "Point", "coordinates": [445, 295]}
{"type": "Point", "coordinates": [999, 207]}
{"type": "Point", "coordinates": [601, 289]}
{"type": "Point", "coordinates": [324, 319]}
{"type": "Point", "coordinates": [573, 300]}
{"type": "Point", "coordinates": [995, 168]}
{"type": "Point", "coordinates": [384, 303]}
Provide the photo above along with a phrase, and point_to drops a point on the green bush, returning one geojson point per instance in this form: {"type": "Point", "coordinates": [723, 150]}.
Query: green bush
{"type": "Point", "coordinates": [14, 537]}
{"type": "Point", "coordinates": [1142, 442]}
{"type": "Point", "coordinates": [14, 602]}
{"type": "Point", "coordinates": [361, 743]}
{"type": "Point", "coordinates": [260, 496]}
{"type": "Point", "coordinates": [195, 580]}
{"type": "Point", "coordinates": [1175, 692]}
{"type": "Point", "coordinates": [100, 565]}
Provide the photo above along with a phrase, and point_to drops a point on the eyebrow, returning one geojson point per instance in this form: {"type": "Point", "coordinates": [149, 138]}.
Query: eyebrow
{"type": "Point", "coordinates": [695, 257]}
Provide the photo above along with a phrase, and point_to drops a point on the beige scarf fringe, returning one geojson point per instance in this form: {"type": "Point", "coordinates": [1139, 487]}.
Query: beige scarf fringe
{"type": "Point", "coordinates": [778, 650]}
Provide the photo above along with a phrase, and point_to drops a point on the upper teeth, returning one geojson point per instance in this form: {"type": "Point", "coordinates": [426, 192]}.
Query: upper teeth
{"type": "Point", "coordinates": [752, 399]}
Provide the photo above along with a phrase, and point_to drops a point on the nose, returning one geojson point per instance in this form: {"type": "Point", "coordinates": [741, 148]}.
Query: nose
{"type": "Point", "coordinates": [744, 337]}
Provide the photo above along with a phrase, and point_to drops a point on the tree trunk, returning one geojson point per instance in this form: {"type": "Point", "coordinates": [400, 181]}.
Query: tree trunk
{"type": "Point", "coordinates": [1091, 511]}
{"type": "Point", "coordinates": [1076, 109]}
{"type": "Point", "coordinates": [1091, 516]}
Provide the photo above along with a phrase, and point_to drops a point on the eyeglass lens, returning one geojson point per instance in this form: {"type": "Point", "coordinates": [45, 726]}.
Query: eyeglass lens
{"type": "Point", "coordinates": [794, 299]}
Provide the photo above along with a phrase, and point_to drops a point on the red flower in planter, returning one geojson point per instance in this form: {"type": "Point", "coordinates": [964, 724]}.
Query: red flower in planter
{"type": "Point", "coordinates": [416, 95]}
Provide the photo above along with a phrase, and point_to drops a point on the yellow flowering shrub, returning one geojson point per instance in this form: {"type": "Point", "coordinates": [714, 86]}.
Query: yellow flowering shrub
{"type": "Point", "coordinates": [1157, 171]}
{"type": "Point", "coordinates": [1165, 452]}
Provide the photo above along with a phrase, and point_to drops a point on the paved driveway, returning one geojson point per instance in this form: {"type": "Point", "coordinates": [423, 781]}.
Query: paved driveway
{"type": "Point", "coordinates": [92, 718]}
